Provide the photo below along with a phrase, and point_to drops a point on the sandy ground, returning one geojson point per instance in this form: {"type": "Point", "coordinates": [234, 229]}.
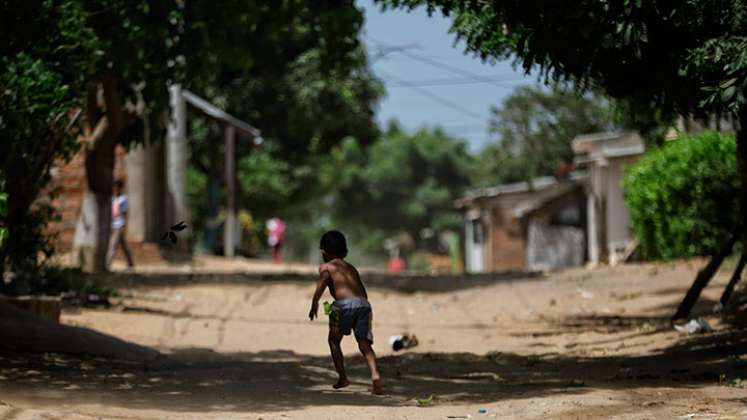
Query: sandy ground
{"type": "Point", "coordinates": [576, 344]}
{"type": "Point", "coordinates": [214, 264]}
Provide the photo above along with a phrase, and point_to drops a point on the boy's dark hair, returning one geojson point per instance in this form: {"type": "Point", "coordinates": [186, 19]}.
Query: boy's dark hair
{"type": "Point", "coordinates": [333, 243]}
{"type": "Point", "coordinates": [119, 183]}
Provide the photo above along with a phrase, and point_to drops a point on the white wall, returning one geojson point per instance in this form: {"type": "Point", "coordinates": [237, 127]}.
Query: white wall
{"type": "Point", "coordinates": [618, 217]}
{"type": "Point", "coordinates": [551, 247]}
{"type": "Point", "coordinates": [474, 251]}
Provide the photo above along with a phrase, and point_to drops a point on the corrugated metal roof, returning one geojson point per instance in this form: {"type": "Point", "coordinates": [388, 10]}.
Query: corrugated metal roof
{"type": "Point", "coordinates": [537, 184]}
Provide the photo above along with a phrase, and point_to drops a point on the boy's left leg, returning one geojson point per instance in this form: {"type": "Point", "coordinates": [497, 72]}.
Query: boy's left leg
{"type": "Point", "coordinates": [364, 345]}
{"type": "Point", "coordinates": [125, 248]}
{"type": "Point", "coordinates": [334, 339]}
{"type": "Point", "coordinates": [113, 243]}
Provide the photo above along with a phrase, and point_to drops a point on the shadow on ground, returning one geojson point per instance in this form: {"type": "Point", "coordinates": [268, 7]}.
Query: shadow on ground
{"type": "Point", "coordinates": [200, 380]}
{"type": "Point", "coordinates": [403, 283]}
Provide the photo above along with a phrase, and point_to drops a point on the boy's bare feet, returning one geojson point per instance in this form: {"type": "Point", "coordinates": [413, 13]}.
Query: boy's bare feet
{"type": "Point", "coordinates": [377, 388]}
{"type": "Point", "coordinates": [341, 383]}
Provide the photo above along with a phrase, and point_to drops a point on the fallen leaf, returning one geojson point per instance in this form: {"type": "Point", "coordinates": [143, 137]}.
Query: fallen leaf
{"type": "Point", "coordinates": [425, 401]}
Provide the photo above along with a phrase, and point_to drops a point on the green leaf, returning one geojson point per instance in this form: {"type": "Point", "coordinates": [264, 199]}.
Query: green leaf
{"type": "Point", "coordinates": [728, 93]}
{"type": "Point", "coordinates": [425, 401]}
{"type": "Point", "coordinates": [727, 83]}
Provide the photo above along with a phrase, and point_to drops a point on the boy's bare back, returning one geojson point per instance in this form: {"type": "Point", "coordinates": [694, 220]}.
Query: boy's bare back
{"type": "Point", "coordinates": [344, 280]}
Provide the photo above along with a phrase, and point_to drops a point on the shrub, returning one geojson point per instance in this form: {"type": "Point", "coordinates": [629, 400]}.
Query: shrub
{"type": "Point", "coordinates": [683, 197]}
{"type": "Point", "coordinates": [420, 262]}
{"type": "Point", "coordinates": [36, 130]}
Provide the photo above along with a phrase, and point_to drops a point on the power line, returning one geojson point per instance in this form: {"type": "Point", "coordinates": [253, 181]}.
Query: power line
{"type": "Point", "coordinates": [384, 51]}
{"type": "Point", "coordinates": [443, 66]}
{"type": "Point", "coordinates": [442, 101]}
{"type": "Point", "coordinates": [473, 128]}
{"type": "Point", "coordinates": [466, 128]}
{"type": "Point", "coordinates": [455, 81]}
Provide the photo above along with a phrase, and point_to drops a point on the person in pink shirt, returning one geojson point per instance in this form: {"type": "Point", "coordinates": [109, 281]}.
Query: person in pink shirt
{"type": "Point", "coordinates": [275, 237]}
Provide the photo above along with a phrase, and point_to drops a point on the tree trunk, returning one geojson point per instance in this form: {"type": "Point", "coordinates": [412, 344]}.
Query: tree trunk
{"type": "Point", "coordinates": [94, 224]}
{"type": "Point", "coordinates": [742, 166]}
{"type": "Point", "coordinates": [92, 231]}
{"type": "Point", "coordinates": [701, 280]}
{"type": "Point", "coordinates": [734, 280]}
{"type": "Point", "coordinates": [705, 275]}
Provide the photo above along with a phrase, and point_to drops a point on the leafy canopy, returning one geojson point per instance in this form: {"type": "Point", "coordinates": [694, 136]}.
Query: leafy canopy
{"type": "Point", "coordinates": [45, 55]}
{"type": "Point", "coordinates": [295, 69]}
{"type": "Point", "coordinates": [533, 128]}
{"type": "Point", "coordinates": [403, 182]}
{"type": "Point", "coordinates": [251, 56]}
{"type": "Point", "coordinates": [686, 56]}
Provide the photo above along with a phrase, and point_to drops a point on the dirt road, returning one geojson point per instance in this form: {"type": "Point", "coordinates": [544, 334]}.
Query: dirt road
{"type": "Point", "coordinates": [577, 344]}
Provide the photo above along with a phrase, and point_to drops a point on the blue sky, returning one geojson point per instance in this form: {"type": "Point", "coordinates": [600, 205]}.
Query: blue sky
{"type": "Point", "coordinates": [431, 82]}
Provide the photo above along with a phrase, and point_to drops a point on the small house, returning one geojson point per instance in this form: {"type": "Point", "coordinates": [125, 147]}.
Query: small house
{"type": "Point", "coordinates": [606, 156]}
{"type": "Point", "coordinates": [537, 225]}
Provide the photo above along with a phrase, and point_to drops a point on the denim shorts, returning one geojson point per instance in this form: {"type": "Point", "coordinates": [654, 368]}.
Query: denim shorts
{"type": "Point", "coordinates": [352, 314]}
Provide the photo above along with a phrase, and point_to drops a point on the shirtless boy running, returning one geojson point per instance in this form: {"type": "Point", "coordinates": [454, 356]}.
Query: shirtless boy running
{"type": "Point", "coordinates": [350, 309]}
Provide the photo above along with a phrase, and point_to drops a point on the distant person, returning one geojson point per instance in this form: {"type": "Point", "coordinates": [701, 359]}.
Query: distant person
{"type": "Point", "coordinates": [396, 265]}
{"type": "Point", "coordinates": [120, 206]}
{"type": "Point", "coordinates": [564, 170]}
{"type": "Point", "coordinates": [275, 237]}
{"type": "Point", "coordinates": [350, 310]}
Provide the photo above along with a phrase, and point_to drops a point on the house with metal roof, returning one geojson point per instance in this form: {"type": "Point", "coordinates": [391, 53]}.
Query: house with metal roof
{"type": "Point", "coordinates": [537, 225]}
{"type": "Point", "coordinates": [606, 156]}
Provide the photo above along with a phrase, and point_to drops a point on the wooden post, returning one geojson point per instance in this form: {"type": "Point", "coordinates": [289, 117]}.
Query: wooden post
{"type": "Point", "coordinates": [176, 164]}
{"type": "Point", "coordinates": [137, 185]}
{"type": "Point", "coordinates": [229, 227]}
{"type": "Point", "coordinates": [592, 234]}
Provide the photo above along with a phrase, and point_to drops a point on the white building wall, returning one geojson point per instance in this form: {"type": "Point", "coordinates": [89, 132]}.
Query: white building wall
{"type": "Point", "coordinates": [474, 249]}
{"type": "Point", "coordinates": [618, 217]}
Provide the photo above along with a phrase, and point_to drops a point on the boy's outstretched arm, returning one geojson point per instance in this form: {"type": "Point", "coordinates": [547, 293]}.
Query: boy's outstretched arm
{"type": "Point", "coordinates": [324, 279]}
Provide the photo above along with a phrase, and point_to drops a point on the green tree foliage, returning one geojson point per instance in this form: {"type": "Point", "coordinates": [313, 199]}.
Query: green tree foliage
{"type": "Point", "coordinates": [534, 128]}
{"type": "Point", "coordinates": [128, 52]}
{"type": "Point", "coordinates": [45, 54]}
{"type": "Point", "coordinates": [266, 182]}
{"type": "Point", "coordinates": [302, 113]}
{"type": "Point", "coordinates": [682, 196]}
{"type": "Point", "coordinates": [688, 56]}
{"type": "Point", "coordinates": [306, 96]}
{"type": "Point", "coordinates": [652, 123]}
{"type": "Point", "coordinates": [294, 69]}
{"type": "Point", "coordinates": [402, 183]}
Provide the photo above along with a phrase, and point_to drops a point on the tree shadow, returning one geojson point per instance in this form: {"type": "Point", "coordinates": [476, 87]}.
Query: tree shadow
{"type": "Point", "coordinates": [200, 380]}
{"type": "Point", "coordinates": [407, 283]}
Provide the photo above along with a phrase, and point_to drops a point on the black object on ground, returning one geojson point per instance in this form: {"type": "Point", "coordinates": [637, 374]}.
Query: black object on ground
{"type": "Point", "coordinates": [404, 341]}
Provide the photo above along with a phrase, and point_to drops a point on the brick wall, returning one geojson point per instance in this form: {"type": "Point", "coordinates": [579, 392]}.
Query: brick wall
{"type": "Point", "coordinates": [69, 183]}
{"type": "Point", "coordinates": [507, 242]}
